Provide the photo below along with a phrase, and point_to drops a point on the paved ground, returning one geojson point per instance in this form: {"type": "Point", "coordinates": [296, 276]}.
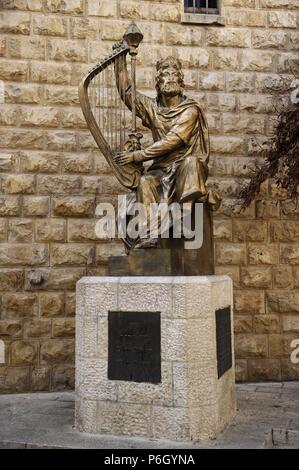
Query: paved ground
{"type": "Point", "coordinates": [268, 416]}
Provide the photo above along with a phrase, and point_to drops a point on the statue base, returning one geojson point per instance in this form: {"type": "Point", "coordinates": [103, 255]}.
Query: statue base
{"type": "Point", "coordinates": [154, 356]}
{"type": "Point", "coordinates": [170, 258]}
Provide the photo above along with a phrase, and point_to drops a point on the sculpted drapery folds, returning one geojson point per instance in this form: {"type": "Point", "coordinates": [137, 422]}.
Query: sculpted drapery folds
{"type": "Point", "coordinates": [180, 152]}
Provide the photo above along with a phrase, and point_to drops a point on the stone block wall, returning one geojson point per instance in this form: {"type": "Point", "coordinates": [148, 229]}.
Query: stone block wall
{"type": "Point", "coordinates": [52, 176]}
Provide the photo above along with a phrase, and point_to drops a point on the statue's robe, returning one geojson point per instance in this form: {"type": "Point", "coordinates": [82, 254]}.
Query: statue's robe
{"type": "Point", "coordinates": [179, 154]}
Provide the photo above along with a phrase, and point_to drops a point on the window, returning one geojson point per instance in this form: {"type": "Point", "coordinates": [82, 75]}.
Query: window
{"type": "Point", "coordinates": [201, 6]}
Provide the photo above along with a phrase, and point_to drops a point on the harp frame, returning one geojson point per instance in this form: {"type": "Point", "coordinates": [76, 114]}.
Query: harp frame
{"type": "Point", "coordinates": [128, 175]}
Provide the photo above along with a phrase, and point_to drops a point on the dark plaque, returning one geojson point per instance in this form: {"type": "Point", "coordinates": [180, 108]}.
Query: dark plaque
{"type": "Point", "coordinates": [223, 340]}
{"type": "Point", "coordinates": [134, 346]}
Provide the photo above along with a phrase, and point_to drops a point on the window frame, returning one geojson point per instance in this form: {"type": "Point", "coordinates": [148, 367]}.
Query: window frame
{"type": "Point", "coordinates": [201, 10]}
{"type": "Point", "coordinates": [213, 18]}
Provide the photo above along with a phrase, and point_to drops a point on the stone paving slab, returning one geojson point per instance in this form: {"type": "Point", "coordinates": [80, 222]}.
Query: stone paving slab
{"type": "Point", "coordinates": [268, 417]}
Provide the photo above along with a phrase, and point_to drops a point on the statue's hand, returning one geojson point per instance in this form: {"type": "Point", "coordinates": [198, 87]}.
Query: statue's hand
{"type": "Point", "coordinates": [123, 158]}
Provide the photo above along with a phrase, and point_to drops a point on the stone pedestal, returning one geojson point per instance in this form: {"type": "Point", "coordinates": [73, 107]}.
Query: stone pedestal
{"type": "Point", "coordinates": [194, 398]}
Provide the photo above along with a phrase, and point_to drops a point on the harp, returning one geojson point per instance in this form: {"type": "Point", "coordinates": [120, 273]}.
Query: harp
{"type": "Point", "coordinates": [104, 110]}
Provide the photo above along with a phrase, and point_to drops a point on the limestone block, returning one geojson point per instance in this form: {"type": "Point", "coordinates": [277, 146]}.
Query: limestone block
{"type": "Point", "coordinates": [72, 254]}
{"type": "Point", "coordinates": [71, 7]}
{"type": "Point", "coordinates": [165, 13]}
{"type": "Point", "coordinates": [244, 230]}
{"type": "Point", "coordinates": [269, 39]}
{"type": "Point", "coordinates": [249, 301]}
{"type": "Point", "coordinates": [35, 205]}
{"type": "Point", "coordinates": [262, 254]}
{"type": "Point", "coordinates": [24, 352]}
{"type": "Point", "coordinates": [59, 184]}
{"type": "Point", "coordinates": [16, 254]}
{"type": "Point", "coordinates": [251, 346]}
{"type": "Point", "coordinates": [289, 254]}
{"type": "Point", "coordinates": [213, 81]}
{"type": "Point", "coordinates": [63, 327]}
{"type": "Point", "coordinates": [57, 351]}
{"type": "Point", "coordinates": [40, 379]}
{"type": "Point", "coordinates": [58, 140]}
{"type": "Point", "coordinates": [134, 10]}
{"type": "Point", "coordinates": [228, 37]}
{"type": "Point", "coordinates": [290, 323]}
{"type": "Point", "coordinates": [282, 19]}
{"type": "Point", "coordinates": [24, 139]}
{"type": "Point", "coordinates": [240, 82]}
{"type": "Point", "coordinates": [14, 379]}
{"type": "Point", "coordinates": [101, 8]}
{"type": "Point", "coordinates": [266, 324]}
{"type": "Point", "coordinates": [67, 50]}
{"type": "Point", "coordinates": [242, 324]}
{"type": "Point", "coordinates": [73, 119]}
{"type": "Point", "coordinates": [32, 5]}
{"type": "Point", "coordinates": [190, 402]}
{"type": "Point", "coordinates": [63, 377]}
{"type": "Point", "coordinates": [261, 369]}
{"type": "Point", "coordinates": [18, 23]}
{"type": "Point", "coordinates": [23, 94]}
{"type": "Point", "coordinates": [53, 279]}
{"type": "Point", "coordinates": [37, 328]}
{"type": "Point", "coordinates": [27, 48]}
{"type": "Point", "coordinates": [11, 279]}
{"type": "Point", "coordinates": [14, 184]}
{"type": "Point", "coordinates": [12, 70]}
{"type": "Point", "coordinates": [20, 230]}
{"type": "Point", "coordinates": [11, 328]}
{"type": "Point", "coordinates": [40, 117]}
{"type": "Point", "coordinates": [44, 72]}
{"type": "Point", "coordinates": [222, 230]}
{"type": "Point", "coordinates": [73, 206]}
{"type": "Point", "coordinates": [280, 345]}
{"type": "Point", "coordinates": [51, 304]}
{"type": "Point", "coordinates": [283, 277]}
{"type": "Point", "coordinates": [281, 302]}
{"type": "Point", "coordinates": [49, 25]}
{"type": "Point", "coordinates": [230, 253]}
{"type": "Point", "coordinates": [179, 35]}
{"type": "Point", "coordinates": [54, 230]}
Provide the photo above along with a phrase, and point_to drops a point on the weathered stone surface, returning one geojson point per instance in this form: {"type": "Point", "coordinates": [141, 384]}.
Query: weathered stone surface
{"type": "Point", "coordinates": [66, 95]}
{"type": "Point", "coordinates": [70, 304]}
{"type": "Point", "coordinates": [53, 279]}
{"type": "Point", "coordinates": [285, 232]}
{"type": "Point", "coordinates": [44, 72]}
{"type": "Point", "coordinates": [55, 351]}
{"type": "Point", "coordinates": [244, 230]}
{"type": "Point", "coordinates": [51, 304]}
{"type": "Point", "coordinates": [8, 162]}
{"type": "Point", "coordinates": [281, 302]}
{"type": "Point", "coordinates": [213, 81]}
{"type": "Point", "coordinates": [63, 378]}
{"type": "Point", "coordinates": [256, 277]}
{"type": "Point", "coordinates": [37, 328]}
{"type": "Point", "coordinates": [3, 229]}
{"type": "Point", "coordinates": [243, 124]}
{"type": "Point", "coordinates": [67, 50]}
{"type": "Point", "coordinates": [22, 254]}
{"type": "Point", "coordinates": [266, 39]}
{"type": "Point", "coordinates": [289, 254]}
{"type": "Point", "coordinates": [282, 19]}
{"type": "Point", "coordinates": [32, 5]}
{"type": "Point", "coordinates": [19, 305]}
{"type": "Point", "coordinates": [27, 48]}
{"type": "Point", "coordinates": [267, 209]}
{"type": "Point", "coordinates": [251, 346]}
{"type": "Point", "coordinates": [241, 370]}
{"type": "Point", "coordinates": [262, 369]}
{"type": "Point", "coordinates": [228, 37]}
{"type": "Point", "coordinates": [40, 117]}
{"type": "Point", "coordinates": [72, 254]}
{"type": "Point", "coordinates": [18, 23]}
{"type": "Point", "coordinates": [73, 206]}
{"type": "Point", "coordinates": [52, 231]}
{"type": "Point", "coordinates": [35, 205]}
{"type": "Point", "coordinates": [249, 301]}
{"type": "Point", "coordinates": [11, 279]}
{"type": "Point", "coordinates": [12, 70]}
{"type": "Point", "coordinates": [105, 250]}
{"type": "Point", "coordinates": [24, 352]}
{"type": "Point", "coordinates": [14, 184]}
{"type": "Point", "coordinates": [222, 230]}
{"type": "Point", "coordinates": [61, 140]}
{"type": "Point", "coordinates": [14, 379]}
{"type": "Point", "coordinates": [10, 328]}
{"type": "Point", "coordinates": [23, 94]}
{"type": "Point", "coordinates": [59, 184]}
{"type": "Point", "coordinates": [63, 327]}
{"type": "Point", "coordinates": [263, 254]}
{"type": "Point", "coordinates": [71, 7]}
{"type": "Point", "coordinates": [134, 10]}
{"type": "Point", "coordinates": [266, 324]}
{"type": "Point", "coordinates": [243, 324]}
{"type": "Point", "coordinates": [103, 9]}
{"type": "Point", "coordinates": [20, 230]}
{"type": "Point", "coordinates": [290, 323]}
{"type": "Point", "coordinates": [40, 379]}
{"type": "Point", "coordinates": [225, 60]}
{"type": "Point", "coordinates": [78, 164]}
{"type": "Point", "coordinates": [21, 139]}
{"type": "Point", "coordinates": [283, 277]}
{"type": "Point", "coordinates": [230, 253]}
{"type": "Point", "coordinates": [280, 345]}
{"type": "Point", "coordinates": [9, 205]}
{"type": "Point", "coordinates": [179, 35]}
{"type": "Point", "coordinates": [165, 12]}
{"type": "Point", "coordinates": [245, 17]}
{"type": "Point", "coordinates": [49, 25]}
{"type": "Point", "coordinates": [82, 230]}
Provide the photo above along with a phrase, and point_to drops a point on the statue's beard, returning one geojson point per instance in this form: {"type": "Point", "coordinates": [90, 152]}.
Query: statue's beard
{"type": "Point", "coordinates": [170, 89]}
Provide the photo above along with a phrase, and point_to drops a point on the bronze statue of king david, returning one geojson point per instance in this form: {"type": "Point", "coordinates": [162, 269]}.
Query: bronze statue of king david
{"type": "Point", "coordinates": [179, 154]}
